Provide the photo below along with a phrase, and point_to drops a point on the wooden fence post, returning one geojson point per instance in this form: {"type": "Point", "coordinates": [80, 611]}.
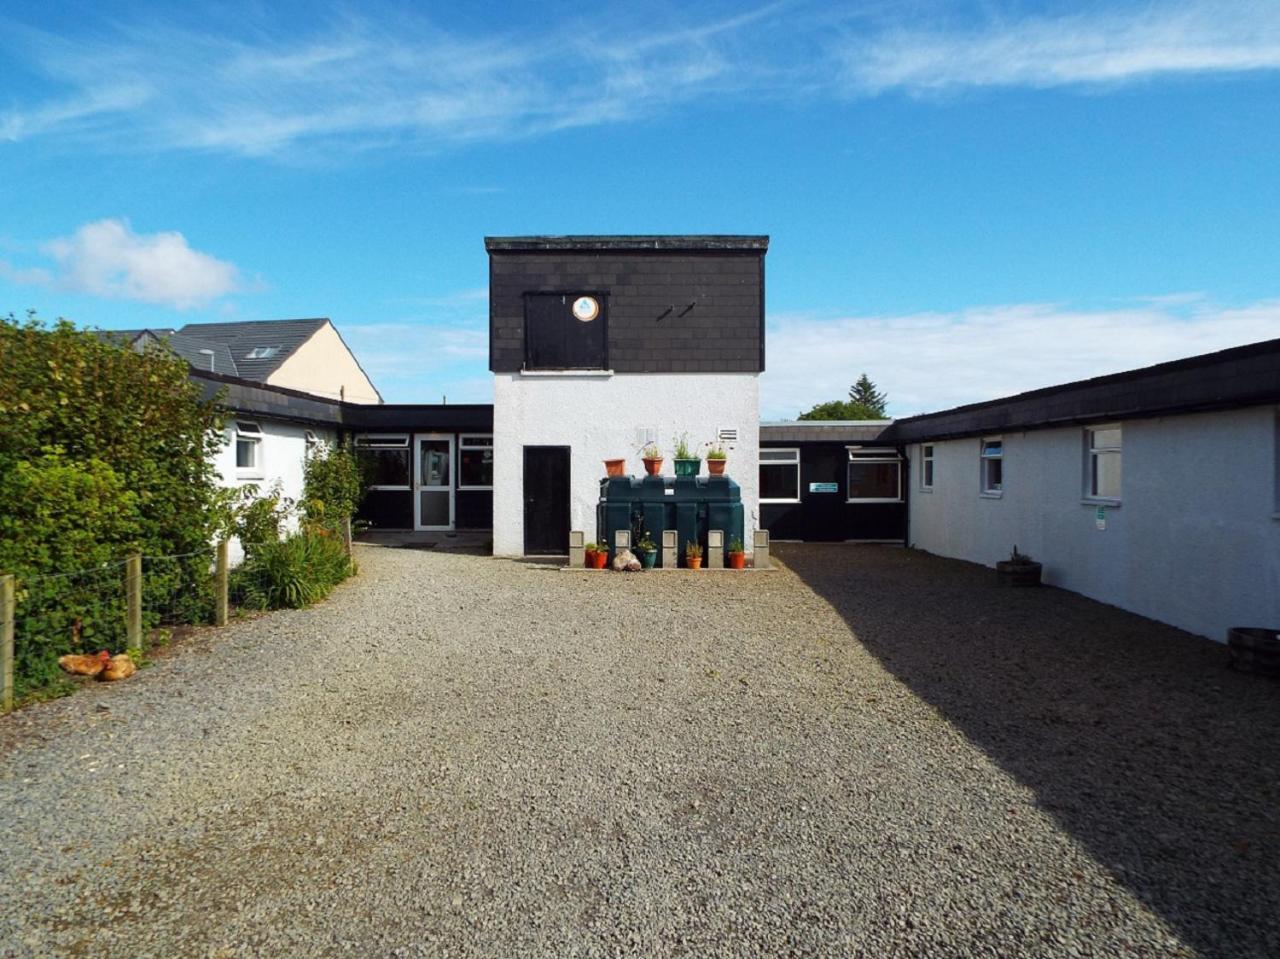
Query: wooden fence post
{"type": "Point", "coordinates": [220, 585]}
{"type": "Point", "coordinates": [8, 612]}
{"type": "Point", "coordinates": [133, 601]}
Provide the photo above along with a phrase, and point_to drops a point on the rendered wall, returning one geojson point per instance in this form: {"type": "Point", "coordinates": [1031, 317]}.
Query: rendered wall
{"type": "Point", "coordinates": [1194, 543]}
{"type": "Point", "coordinates": [598, 417]}
{"type": "Point", "coordinates": [324, 366]}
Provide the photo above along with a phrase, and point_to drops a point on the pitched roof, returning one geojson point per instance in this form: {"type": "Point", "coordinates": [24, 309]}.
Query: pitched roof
{"type": "Point", "coordinates": [258, 347]}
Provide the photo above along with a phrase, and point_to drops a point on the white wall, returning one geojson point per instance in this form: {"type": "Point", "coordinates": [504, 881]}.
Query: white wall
{"type": "Point", "coordinates": [598, 416]}
{"type": "Point", "coordinates": [1195, 541]}
{"type": "Point", "coordinates": [284, 448]}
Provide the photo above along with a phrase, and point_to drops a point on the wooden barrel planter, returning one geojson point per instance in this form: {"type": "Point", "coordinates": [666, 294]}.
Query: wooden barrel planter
{"type": "Point", "coordinates": [1013, 573]}
{"type": "Point", "coordinates": [1254, 650]}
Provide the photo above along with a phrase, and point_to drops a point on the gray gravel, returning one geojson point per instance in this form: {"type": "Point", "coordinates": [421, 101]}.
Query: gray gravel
{"type": "Point", "coordinates": [870, 753]}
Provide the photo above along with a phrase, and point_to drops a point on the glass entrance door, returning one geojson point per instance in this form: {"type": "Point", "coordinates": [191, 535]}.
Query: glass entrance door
{"type": "Point", "coordinates": [433, 482]}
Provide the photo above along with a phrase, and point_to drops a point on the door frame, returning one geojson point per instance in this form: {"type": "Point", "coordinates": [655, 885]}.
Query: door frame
{"type": "Point", "coordinates": [417, 481]}
{"type": "Point", "coordinates": [524, 500]}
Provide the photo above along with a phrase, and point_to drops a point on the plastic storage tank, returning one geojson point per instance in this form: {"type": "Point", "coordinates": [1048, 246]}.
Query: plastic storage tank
{"type": "Point", "coordinates": [690, 505]}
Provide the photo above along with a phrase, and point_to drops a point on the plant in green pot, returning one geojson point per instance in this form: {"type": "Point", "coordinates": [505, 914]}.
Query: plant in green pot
{"type": "Point", "coordinates": [716, 459]}
{"type": "Point", "coordinates": [648, 551]}
{"type": "Point", "coordinates": [687, 462]}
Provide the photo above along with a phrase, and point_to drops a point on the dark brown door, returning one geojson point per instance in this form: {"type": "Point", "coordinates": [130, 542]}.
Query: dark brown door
{"type": "Point", "coordinates": [546, 500]}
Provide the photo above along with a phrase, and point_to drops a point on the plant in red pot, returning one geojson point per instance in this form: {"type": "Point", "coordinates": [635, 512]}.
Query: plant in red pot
{"type": "Point", "coordinates": [652, 457]}
{"type": "Point", "coordinates": [693, 556]}
{"type": "Point", "coordinates": [589, 556]}
{"type": "Point", "coordinates": [737, 555]}
{"type": "Point", "coordinates": [716, 459]}
{"type": "Point", "coordinates": [601, 558]}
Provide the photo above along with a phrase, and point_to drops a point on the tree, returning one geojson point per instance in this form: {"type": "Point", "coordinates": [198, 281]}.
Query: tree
{"type": "Point", "coordinates": [865, 402]}
{"type": "Point", "coordinates": [864, 394]}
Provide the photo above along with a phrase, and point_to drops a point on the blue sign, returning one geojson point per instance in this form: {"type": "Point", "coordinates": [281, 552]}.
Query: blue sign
{"type": "Point", "coordinates": [824, 487]}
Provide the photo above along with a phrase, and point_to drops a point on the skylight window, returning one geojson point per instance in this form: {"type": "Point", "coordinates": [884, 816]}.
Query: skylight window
{"type": "Point", "coordinates": [262, 352]}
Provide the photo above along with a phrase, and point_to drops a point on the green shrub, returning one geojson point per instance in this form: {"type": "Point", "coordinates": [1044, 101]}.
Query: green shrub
{"type": "Point", "coordinates": [259, 518]}
{"type": "Point", "coordinates": [103, 452]}
{"type": "Point", "coordinates": [332, 487]}
{"type": "Point", "coordinates": [292, 573]}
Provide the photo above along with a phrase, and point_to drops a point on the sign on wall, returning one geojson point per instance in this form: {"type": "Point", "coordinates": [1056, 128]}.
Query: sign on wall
{"type": "Point", "coordinates": [824, 487]}
{"type": "Point", "coordinates": [1100, 518]}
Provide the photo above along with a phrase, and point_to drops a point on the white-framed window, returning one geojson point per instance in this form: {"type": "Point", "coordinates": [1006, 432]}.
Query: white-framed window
{"type": "Point", "coordinates": [384, 460]}
{"type": "Point", "coordinates": [248, 440]}
{"type": "Point", "coordinates": [992, 464]}
{"type": "Point", "coordinates": [874, 476]}
{"type": "Point", "coordinates": [475, 461]}
{"type": "Point", "coordinates": [926, 467]}
{"type": "Point", "coordinates": [1103, 462]}
{"type": "Point", "coordinates": [262, 352]}
{"type": "Point", "coordinates": [780, 475]}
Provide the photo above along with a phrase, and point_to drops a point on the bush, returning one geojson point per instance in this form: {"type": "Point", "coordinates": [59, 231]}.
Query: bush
{"type": "Point", "coordinates": [332, 487]}
{"type": "Point", "coordinates": [103, 452]}
{"type": "Point", "coordinates": [296, 571]}
{"type": "Point", "coordinates": [260, 518]}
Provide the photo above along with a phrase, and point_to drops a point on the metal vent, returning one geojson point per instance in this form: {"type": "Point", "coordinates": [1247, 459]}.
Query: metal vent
{"type": "Point", "coordinates": [728, 435]}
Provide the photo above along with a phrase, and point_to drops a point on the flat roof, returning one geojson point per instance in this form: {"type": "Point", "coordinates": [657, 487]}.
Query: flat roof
{"type": "Point", "coordinates": [673, 243]}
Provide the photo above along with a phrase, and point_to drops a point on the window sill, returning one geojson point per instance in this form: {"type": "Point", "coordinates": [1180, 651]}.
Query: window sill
{"type": "Point", "coordinates": [926, 489]}
{"type": "Point", "coordinates": [778, 502]}
{"type": "Point", "coordinates": [991, 494]}
{"type": "Point", "coordinates": [1093, 503]}
{"type": "Point", "coordinates": [250, 475]}
{"type": "Point", "coordinates": [588, 373]}
{"type": "Point", "coordinates": [475, 489]}
{"type": "Point", "coordinates": [878, 499]}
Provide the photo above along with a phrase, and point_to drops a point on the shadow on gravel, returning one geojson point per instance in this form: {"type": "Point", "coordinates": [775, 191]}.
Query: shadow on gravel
{"type": "Point", "coordinates": [1134, 736]}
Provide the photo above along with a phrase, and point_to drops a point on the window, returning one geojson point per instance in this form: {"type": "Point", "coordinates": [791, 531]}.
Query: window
{"type": "Point", "coordinates": [262, 352]}
{"type": "Point", "coordinates": [926, 467]}
{"type": "Point", "coordinates": [992, 467]}
{"type": "Point", "coordinates": [248, 448]}
{"type": "Point", "coordinates": [559, 337]}
{"type": "Point", "coordinates": [875, 476]}
{"type": "Point", "coordinates": [384, 460]}
{"type": "Point", "coordinates": [780, 476]}
{"type": "Point", "coordinates": [1102, 480]}
{"type": "Point", "coordinates": [475, 462]}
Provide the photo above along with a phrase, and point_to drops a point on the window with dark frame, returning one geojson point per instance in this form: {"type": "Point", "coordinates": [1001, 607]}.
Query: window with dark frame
{"type": "Point", "coordinates": [558, 337]}
{"type": "Point", "coordinates": [780, 475]}
{"type": "Point", "coordinates": [475, 462]}
{"type": "Point", "coordinates": [992, 467]}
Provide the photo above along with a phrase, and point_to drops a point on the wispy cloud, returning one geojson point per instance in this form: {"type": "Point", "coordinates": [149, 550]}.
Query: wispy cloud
{"type": "Point", "coordinates": [932, 361]}
{"type": "Point", "coordinates": [107, 259]}
{"type": "Point", "coordinates": [356, 83]}
{"type": "Point", "coordinates": [1222, 36]}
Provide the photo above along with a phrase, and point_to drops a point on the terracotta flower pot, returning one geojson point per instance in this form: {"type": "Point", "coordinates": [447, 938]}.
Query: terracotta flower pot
{"type": "Point", "coordinates": [737, 560]}
{"type": "Point", "coordinates": [694, 562]}
{"type": "Point", "coordinates": [601, 559]}
{"type": "Point", "coordinates": [716, 467]}
{"type": "Point", "coordinates": [615, 467]}
{"type": "Point", "coordinates": [653, 465]}
{"type": "Point", "coordinates": [589, 558]}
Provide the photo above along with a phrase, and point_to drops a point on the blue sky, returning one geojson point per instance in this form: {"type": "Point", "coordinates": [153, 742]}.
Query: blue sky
{"type": "Point", "coordinates": [964, 199]}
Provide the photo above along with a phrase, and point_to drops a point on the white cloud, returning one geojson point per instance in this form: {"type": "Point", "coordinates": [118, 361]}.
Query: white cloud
{"type": "Point", "coordinates": [933, 361]}
{"type": "Point", "coordinates": [106, 258]}
{"type": "Point", "coordinates": [1086, 48]}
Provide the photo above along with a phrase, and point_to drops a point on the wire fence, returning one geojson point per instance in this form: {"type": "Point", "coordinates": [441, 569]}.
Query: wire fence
{"type": "Point", "coordinates": [117, 605]}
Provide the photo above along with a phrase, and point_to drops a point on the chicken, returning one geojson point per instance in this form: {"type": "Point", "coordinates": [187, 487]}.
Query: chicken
{"type": "Point", "coordinates": [85, 665]}
{"type": "Point", "coordinates": [118, 667]}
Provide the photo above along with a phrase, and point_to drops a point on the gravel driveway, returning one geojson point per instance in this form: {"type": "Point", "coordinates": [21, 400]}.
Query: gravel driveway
{"type": "Point", "coordinates": [873, 752]}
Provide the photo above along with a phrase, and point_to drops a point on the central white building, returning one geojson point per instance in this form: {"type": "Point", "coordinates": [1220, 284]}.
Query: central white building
{"type": "Point", "coordinates": [601, 344]}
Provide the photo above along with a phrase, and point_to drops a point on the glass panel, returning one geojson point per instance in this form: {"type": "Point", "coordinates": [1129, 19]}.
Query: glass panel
{"type": "Point", "coordinates": [994, 474]}
{"type": "Point", "coordinates": [1106, 475]}
{"type": "Point", "coordinates": [873, 481]}
{"type": "Point", "coordinates": [246, 454]}
{"type": "Point", "coordinates": [434, 506]}
{"type": "Point", "coordinates": [384, 467]}
{"type": "Point", "coordinates": [434, 463]}
{"type": "Point", "coordinates": [780, 456]}
{"type": "Point", "coordinates": [992, 448]}
{"type": "Point", "coordinates": [1106, 439]}
{"type": "Point", "coordinates": [928, 472]}
{"type": "Point", "coordinates": [779, 482]}
{"type": "Point", "coordinates": [475, 467]}
{"type": "Point", "coordinates": [244, 426]}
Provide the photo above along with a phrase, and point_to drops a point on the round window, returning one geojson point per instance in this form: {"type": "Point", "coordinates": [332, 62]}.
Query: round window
{"type": "Point", "coordinates": [586, 308]}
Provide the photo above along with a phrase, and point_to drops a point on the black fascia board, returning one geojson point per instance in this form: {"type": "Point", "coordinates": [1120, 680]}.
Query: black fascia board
{"type": "Point", "coordinates": [1228, 379]}
{"type": "Point", "coordinates": [687, 243]}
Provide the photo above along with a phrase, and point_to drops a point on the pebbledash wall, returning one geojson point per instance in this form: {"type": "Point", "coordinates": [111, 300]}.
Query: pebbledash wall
{"type": "Point", "coordinates": [1193, 539]}
{"type": "Point", "coordinates": [601, 416]}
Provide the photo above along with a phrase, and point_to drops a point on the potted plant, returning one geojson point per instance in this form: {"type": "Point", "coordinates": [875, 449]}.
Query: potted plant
{"type": "Point", "coordinates": [648, 551]}
{"type": "Point", "coordinates": [601, 560]}
{"type": "Point", "coordinates": [687, 464]}
{"type": "Point", "coordinates": [737, 555]}
{"type": "Point", "coordinates": [1018, 570]}
{"type": "Point", "coordinates": [693, 556]}
{"type": "Point", "coordinates": [652, 457]}
{"type": "Point", "coordinates": [589, 555]}
{"type": "Point", "coordinates": [615, 467]}
{"type": "Point", "coordinates": [716, 458]}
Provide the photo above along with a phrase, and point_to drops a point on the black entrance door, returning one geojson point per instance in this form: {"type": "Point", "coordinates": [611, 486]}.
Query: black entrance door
{"type": "Point", "coordinates": [546, 500]}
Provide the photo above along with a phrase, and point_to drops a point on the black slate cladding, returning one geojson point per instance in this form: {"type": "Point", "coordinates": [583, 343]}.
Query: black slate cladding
{"type": "Point", "coordinates": [676, 304]}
